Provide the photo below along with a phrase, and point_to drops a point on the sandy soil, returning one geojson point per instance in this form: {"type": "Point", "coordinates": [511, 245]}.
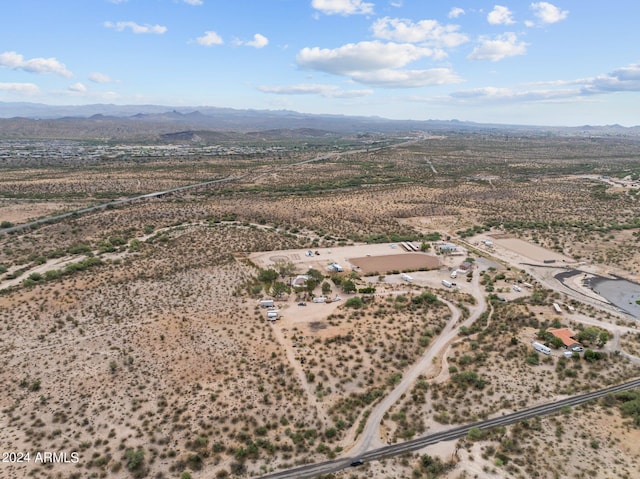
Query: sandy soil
{"type": "Point", "coordinates": [387, 263]}
{"type": "Point", "coordinates": [321, 258]}
{"type": "Point", "coordinates": [529, 250]}
{"type": "Point", "coordinates": [24, 211]}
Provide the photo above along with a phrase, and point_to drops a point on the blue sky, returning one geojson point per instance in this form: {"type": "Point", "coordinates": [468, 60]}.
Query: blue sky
{"type": "Point", "coordinates": [565, 62]}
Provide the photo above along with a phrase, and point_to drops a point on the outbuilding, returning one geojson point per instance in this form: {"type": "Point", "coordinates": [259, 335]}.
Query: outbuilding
{"type": "Point", "coordinates": [465, 266]}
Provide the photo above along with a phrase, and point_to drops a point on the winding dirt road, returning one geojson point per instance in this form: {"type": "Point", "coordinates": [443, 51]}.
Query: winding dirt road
{"type": "Point", "coordinates": [370, 437]}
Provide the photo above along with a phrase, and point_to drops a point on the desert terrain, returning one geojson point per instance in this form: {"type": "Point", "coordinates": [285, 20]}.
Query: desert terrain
{"type": "Point", "coordinates": [134, 342]}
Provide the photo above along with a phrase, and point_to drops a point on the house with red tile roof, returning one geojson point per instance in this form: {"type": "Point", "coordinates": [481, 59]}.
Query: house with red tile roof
{"type": "Point", "coordinates": [567, 337]}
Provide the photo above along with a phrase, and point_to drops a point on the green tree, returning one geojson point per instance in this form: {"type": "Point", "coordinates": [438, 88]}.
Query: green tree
{"type": "Point", "coordinates": [424, 298]}
{"type": "Point", "coordinates": [285, 268]}
{"type": "Point", "coordinates": [267, 275]}
{"type": "Point", "coordinates": [52, 274]}
{"type": "Point", "coordinates": [326, 287]}
{"type": "Point", "coordinates": [588, 335]}
{"type": "Point", "coordinates": [134, 245]}
{"type": "Point", "coordinates": [556, 342]}
{"type": "Point", "coordinates": [135, 461]}
{"type": "Point", "coordinates": [476, 434]}
{"type": "Point", "coordinates": [310, 285]}
{"type": "Point", "coordinates": [316, 275]}
{"type": "Point", "coordinates": [348, 286]}
{"type": "Point", "coordinates": [279, 288]}
{"type": "Point", "coordinates": [592, 356]}
{"type": "Point", "coordinates": [355, 302]}
{"type": "Point", "coordinates": [603, 337]}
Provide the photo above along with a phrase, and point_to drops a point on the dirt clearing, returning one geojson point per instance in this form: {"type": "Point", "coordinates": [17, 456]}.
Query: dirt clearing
{"type": "Point", "coordinates": [395, 262]}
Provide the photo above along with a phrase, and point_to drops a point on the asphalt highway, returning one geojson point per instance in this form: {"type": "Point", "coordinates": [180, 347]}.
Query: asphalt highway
{"type": "Point", "coordinates": [314, 470]}
{"type": "Point", "coordinates": [111, 204]}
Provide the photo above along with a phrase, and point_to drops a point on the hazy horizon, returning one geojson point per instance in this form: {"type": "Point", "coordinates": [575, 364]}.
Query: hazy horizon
{"type": "Point", "coordinates": [539, 63]}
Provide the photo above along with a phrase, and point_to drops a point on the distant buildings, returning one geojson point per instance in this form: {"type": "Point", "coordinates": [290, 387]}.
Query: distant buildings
{"type": "Point", "coordinates": [447, 247]}
{"type": "Point", "coordinates": [450, 249]}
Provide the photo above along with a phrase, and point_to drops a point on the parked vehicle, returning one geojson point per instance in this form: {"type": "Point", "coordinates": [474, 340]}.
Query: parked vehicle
{"type": "Point", "coordinates": [542, 348]}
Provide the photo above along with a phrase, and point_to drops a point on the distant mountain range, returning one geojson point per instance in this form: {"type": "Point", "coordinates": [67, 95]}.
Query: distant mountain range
{"type": "Point", "coordinates": [165, 123]}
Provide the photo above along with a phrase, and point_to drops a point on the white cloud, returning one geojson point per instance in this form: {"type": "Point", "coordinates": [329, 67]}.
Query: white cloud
{"type": "Point", "coordinates": [98, 77]}
{"type": "Point", "coordinates": [363, 56]}
{"type": "Point", "coordinates": [494, 94]}
{"type": "Point", "coordinates": [376, 63]}
{"type": "Point", "coordinates": [390, 78]}
{"type": "Point", "coordinates": [624, 79]}
{"type": "Point", "coordinates": [396, 4]}
{"type": "Point", "coordinates": [194, 2]}
{"type": "Point", "coordinates": [548, 13]}
{"type": "Point", "coordinates": [342, 7]}
{"type": "Point", "coordinates": [498, 48]}
{"type": "Point", "coordinates": [621, 79]}
{"type": "Point", "coordinates": [16, 61]}
{"type": "Point", "coordinates": [430, 32]}
{"type": "Point", "coordinates": [500, 15]}
{"type": "Point", "coordinates": [455, 12]}
{"type": "Point", "coordinates": [259, 41]}
{"type": "Point", "coordinates": [136, 28]}
{"type": "Point", "coordinates": [327, 91]}
{"type": "Point", "coordinates": [210, 38]}
{"type": "Point", "coordinates": [78, 87]}
{"type": "Point", "coordinates": [25, 88]}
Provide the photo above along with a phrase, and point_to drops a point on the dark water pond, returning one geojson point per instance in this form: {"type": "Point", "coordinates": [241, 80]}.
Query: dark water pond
{"type": "Point", "coordinates": [620, 292]}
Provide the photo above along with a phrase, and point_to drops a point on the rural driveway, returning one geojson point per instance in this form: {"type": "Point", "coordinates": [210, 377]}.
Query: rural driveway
{"type": "Point", "coordinates": [370, 437]}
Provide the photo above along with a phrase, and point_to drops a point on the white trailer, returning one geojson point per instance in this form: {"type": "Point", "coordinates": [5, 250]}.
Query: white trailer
{"type": "Point", "coordinates": [266, 303]}
{"type": "Point", "coordinates": [272, 315]}
{"type": "Point", "coordinates": [446, 283]}
{"type": "Point", "coordinates": [516, 288]}
{"type": "Point", "coordinates": [542, 348]}
{"type": "Point", "coordinates": [557, 308]}
{"type": "Point", "coordinates": [406, 277]}
{"type": "Point", "coordinates": [320, 299]}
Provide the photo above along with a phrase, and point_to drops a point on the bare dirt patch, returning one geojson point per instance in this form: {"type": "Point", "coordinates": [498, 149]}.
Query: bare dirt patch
{"type": "Point", "coordinates": [531, 251]}
{"type": "Point", "coordinates": [388, 263]}
{"type": "Point", "coordinates": [24, 211]}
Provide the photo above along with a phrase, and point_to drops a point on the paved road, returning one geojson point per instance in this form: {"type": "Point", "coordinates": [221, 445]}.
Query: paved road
{"type": "Point", "coordinates": [314, 470]}
{"type": "Point", "coordinates": [111, 204]}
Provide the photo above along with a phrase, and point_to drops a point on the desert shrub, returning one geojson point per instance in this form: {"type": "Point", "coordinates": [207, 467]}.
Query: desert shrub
{"type": "Point", "coordinates": [355, 302]}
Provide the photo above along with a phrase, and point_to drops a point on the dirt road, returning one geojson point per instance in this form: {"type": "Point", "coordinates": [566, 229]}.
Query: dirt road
{"type": "Point", "coordinates": [370, 438]}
